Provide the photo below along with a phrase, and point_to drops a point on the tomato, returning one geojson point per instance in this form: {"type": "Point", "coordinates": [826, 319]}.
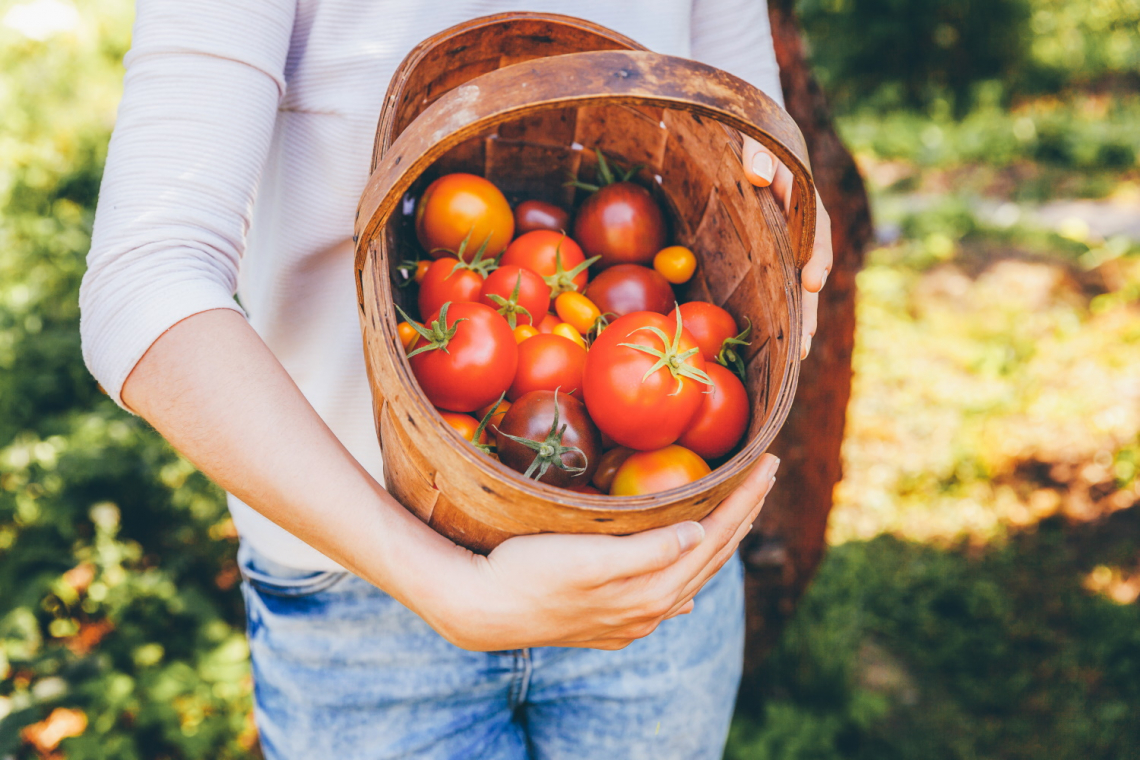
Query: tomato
{"type": "Point", "coordinates": [547, 362]}
{"type": "Point", "coordinates": [723, 417]}
{"type": "Point", "coordinates": [540, 215]}
{"type": "Point", "coordinates": [709, 324]}
{"type": "Point", "coordinates": [518, 294]}
{"type": "Point", "coordinates": [586, 489]}
{"type": "Point", "coordinates": [504, 405]}
{"type": "Point", "coordinates": [421, 270]}
{"type": "Point", "coordinates": [464, 424]}
{"type": "Point", "coordinates": [407, 334]}
{"type": "Point", "coordinates": [577, 310]}
{"type": "Point", "coordinates": [608, 466]}
{"type": "Point", "coordinates": [644, 380]}
{"type": "Point", "coordinates": [460, 206]}
{"type": "Point", "coordinates": [547, 435]}
{"type": "Point", "coordinates": [568, 332]}
{"type": "Point", "coordinates": [444, 282]}
{"type": "Point", "coordinates": [658, 470]}
{"type": "Point", "coordinates": [553, 256]}
{"type": "Point", "coordinates": [622, 224]}
{"type": "Point", "coordinates": [465, 357]}
{"type": "Point", "coordinates": [522, 332]}
{"type": "Point", "coordinates": [548, 323]}
{"type": "Point", "coordinates": [675, 263]}
{"type": "Point", "coordinates": [627, 288]}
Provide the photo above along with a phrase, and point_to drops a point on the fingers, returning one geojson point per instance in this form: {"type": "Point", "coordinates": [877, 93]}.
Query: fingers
{"type": "Point", "coordinates": [811, 321]}
{"type": "Point", "coordinates": [648, 551]}
{"type": "Point", "coordinates": [760, 164]}
{"type": "Point", "coordinates": [819, 265]}
{"type": "Point", "coordinates": [741, 504]}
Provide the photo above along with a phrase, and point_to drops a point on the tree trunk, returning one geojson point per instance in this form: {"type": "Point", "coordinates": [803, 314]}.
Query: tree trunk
{"type": "Point", "coordinates": [787, 544]}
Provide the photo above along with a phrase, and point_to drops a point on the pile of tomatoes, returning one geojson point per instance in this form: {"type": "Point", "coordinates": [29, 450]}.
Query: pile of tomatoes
{"type": "Point", "coordinates": [599, 385]}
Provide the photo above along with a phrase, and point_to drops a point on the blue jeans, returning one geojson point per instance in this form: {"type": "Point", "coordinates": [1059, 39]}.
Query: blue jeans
{"type": "Point", "coordinates": [343, 671]}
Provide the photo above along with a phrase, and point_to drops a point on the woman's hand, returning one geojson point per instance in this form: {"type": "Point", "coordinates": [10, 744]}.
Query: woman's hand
{"type": "Point", "coordinates": [762, 169]}
{"type": "Point", "coordinates": [592, 590]}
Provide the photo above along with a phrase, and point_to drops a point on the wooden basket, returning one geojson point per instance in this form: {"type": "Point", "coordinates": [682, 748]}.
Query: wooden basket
{"type": "Point", "coordinates": [523, 99]}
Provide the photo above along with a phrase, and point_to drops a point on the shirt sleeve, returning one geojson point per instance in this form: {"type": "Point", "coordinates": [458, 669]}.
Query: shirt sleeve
{"type": "Point", "coordinates": [200, 95]}
{"type": "Point", "coordinates": [736, 36]}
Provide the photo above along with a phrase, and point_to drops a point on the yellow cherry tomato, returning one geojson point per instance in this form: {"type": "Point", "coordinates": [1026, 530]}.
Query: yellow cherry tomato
{"type": "Point", "coordinates": [566, 330]}
{"type": "Point", "coordinates": [407, 334]}
{"type": "Point", "coordinates": [658, 470]}
{"type": "Point", "coordinates": [675, 263]}
{"type": "Point", "coordinates": [421, 271]}
{"type": "Point", "coordinates": [522, 332]}
{"type": "Point", "coordinates": [576, 310]}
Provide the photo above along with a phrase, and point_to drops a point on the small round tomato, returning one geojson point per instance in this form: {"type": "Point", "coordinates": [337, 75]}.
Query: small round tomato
{"type": "Point", "coordinates": [608, 466]}
{"type": "Point", "coordinates": [518, 294]}
{"type": "Point", "coordinates": [567, 331]}
{"type": "Point", "coordinates": [422, 268]}
{"type": "Point", "coordinates": [547, 363]}
{"type": "Point", "coordinates": [644, 380]}
{"type": "Point", "coordinates": [586, 489]}
{"type": "Point", "coordinates": [675, 263]}
{"type": "Point", "coordinates": [547, 435]}
{"type": "Point", "coordinates": [407, 334]}
{"type": "Point", "coordinates": [504, 405]}
{"type": "Point", "coordinates": [540, 215]}
{"type": "Point", "coordinates": [522, 332]}
{"type": "Point", "coordinates": [627, 288]}
{"type": "Point", "coordinates": [577, 310]}
{"type": "Point", "coordinates": [553, 256]}
{"type": "Point", "coordinates": [709, 324]}
{"type": "Point", "coordinates": [548, 323]}
{"type": "Point", "coordinates": [622, 224]}
{"type": "Point", "coordinates": [464, 424]}
{"type": "Point", "coordinates": [723, 417]}
{"type": "Point", "coordinates": [658, 470]}
{"type": "Point", "coordinates": [446, 280]}
{"type": "Point", "coordinates": [469, 359]}
{"type": "Point", "coordinates": [463, 207]}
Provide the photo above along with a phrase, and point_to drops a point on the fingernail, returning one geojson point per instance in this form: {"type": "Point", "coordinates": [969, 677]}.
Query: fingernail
{"type": "Point", "coordinates": [764, 166]}
{"type": "Point", "coordinates": [807, 347]}
{"type": "Point", "coordinates": [772, 467]}
{"type": "Point", "coordinates": [690, 534]}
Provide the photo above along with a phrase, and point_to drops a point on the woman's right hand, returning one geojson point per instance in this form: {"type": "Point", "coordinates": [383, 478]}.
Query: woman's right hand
{"type": "Point", "coordinates": [592, 590]}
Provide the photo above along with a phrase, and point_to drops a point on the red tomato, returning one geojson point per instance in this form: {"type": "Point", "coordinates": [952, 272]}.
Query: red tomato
{"type": "Point", "coordinates": [478, 364]}
{"type": "Point", "coordinates": [553, 256]}
{"type": "Point", "coordinates": [658, 470]}
{"type": "Point", "coordinates": [540, 215]}
{"type": "Point", "coordinates": [518, 294]}
{"type": "Point", "coordinates": [636, 402]}
{"type": "Point", "coordinates": [586, 489]}
{"type": "Point", "coordinates": [548, 323]}
{"type": "Point", "coordinates": [709, 324]}
{"type": "Point", "coordinates": [443, 283]}
{"type": "Point", "coordinates": [546, 363]}
{"type": "Point", "coordinates": [456, 206]}
{"type": "Point", "coordinates": [723, 417]}
{"type": "Point", "coordinates": [622, 224]}
{"type": "Point", "coordinates": [627, 288]}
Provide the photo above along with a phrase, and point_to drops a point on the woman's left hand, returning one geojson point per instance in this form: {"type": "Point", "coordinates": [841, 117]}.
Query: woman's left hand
{"type": "Point", "coordinates": [762, 169]}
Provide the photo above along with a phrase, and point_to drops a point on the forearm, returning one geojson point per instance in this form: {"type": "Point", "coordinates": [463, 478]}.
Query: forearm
{"type": "Point", "coordinates": [213, 389]}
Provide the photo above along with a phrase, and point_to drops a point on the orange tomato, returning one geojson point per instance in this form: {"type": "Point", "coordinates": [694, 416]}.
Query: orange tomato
{"type": "Point", "coordinates": [464, 424]}
{"type": "Point", "coordinates": [407, 334]}
{"type": "Point", "coordinates": [522, 332]}
{"type": "Point", "coordinates": [566, 330]}
{"type": "Point", "coordinates": [576, 310]}
{"type": "Point", "coordinates": [460, 206]}
{"type": "Point", "coordinates": [658, 470]}
{"type": "Point", "coordinates": [422, 268]}
{"type": "Point", "coordinates": [504, 405]}
{"type": "Point", "coordinates": [548, 323]}
{"type": "Point", "coordinates": [675, 263]}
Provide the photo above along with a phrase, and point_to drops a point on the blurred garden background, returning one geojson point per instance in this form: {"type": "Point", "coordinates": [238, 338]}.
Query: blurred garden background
{"type": "Point", "coordinates": [979, 599]}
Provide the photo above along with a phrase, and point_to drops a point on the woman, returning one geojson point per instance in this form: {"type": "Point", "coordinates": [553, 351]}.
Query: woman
{"type": "Point", "coordinates": [239, 155]}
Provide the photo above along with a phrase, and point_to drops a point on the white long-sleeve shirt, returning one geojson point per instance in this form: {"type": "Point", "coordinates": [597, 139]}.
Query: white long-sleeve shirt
{"type": "Point", "coordinates": [241, 149]}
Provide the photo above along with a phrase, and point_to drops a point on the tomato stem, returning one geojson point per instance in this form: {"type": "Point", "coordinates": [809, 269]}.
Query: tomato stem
{"type": "Point", "coordinates": [562, 281]}
{"type": "Point", "coordinates": [549, 452]}
{"type": "Point", "coordinates": [437, 335]}
{"type": "Point", "coordinates": [486, 447]}
{"type": "Point", "coordinates": [511, 308]}
{"type": "Point", "coordinates": [672, 358]}
{"type": "Point", "coordinates": [479, 265]}
{"type": "Point", "coordinates": [728, 357]}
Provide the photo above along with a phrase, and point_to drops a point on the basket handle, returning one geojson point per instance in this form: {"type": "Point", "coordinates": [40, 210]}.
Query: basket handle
{"type": "Point", "coordinates": [608, 77]}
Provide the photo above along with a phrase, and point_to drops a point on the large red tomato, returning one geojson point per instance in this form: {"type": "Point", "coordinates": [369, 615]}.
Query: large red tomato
{"type": "Point", "coordinates": [540, 215]}
{"type": "Point", "coordinates": [554, 443]}
{"type": "Point", "coordinates": [518, 294]}
{"type": "Point", "coordinates": [627, 288]}
{"type": "Point", "coordinates": [659, 470]}
{"type": "Point", "coordinates": [552, 255]}
{"type": "Point", "coordinates": [459, 207]}
{"type": "Point", "coordinates": [447, 280]}
{"type": "Point", "coordinates": [723, 417]}
{"type": "Point", "coordinates": [709, 324]}
{"type": "Point", "coordinates": [546, 363]}
{"type": "Point", "coordinates": [465, 357]}
{"type": "Point", "coordinates": [622, 224]}
{"type": "Point", "coordinates": [644, 380]}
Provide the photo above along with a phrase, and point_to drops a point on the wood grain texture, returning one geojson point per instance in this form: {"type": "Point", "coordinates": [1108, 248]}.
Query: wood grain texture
{"type": "Point", "coordinates": [527, 125]}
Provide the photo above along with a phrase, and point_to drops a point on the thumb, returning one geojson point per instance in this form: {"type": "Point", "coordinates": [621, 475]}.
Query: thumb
{"type": "Point", "coordinates": [759, 163]}
{"type": "Point", "coordinates": [653, 550]}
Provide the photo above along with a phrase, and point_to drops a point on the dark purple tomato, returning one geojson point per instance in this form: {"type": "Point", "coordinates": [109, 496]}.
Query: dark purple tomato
{"type": "Point", "coordinates": [549, 454]}
{"type": "Point", "coordinates": [540, 215]}
{"type": "Point", "coordinates": [622, 224]}
{"type": "Point", "coordinates": [627, 288]}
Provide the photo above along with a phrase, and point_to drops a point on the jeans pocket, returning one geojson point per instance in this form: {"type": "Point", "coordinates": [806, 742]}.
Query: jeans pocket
{"type": "Point", "coordinates": [267, 578]}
